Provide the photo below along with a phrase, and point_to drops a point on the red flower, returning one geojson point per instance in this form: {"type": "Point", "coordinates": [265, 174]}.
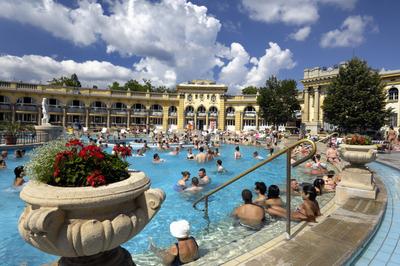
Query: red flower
{"type": "Point", "coordinates": [96, 179]}
{"type": "Point", "coordinates": [91, 151]}
{"type": "Point", "coordinates": [74, 142]}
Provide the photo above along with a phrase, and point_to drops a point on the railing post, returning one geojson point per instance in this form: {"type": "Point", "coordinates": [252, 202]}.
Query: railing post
{"type": "Point", "coordinates": [288, 191]}
{"type": "Point", "coordinates": [206, 208]}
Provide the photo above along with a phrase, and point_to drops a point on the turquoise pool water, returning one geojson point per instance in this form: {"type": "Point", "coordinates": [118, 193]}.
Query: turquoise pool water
{"type": "Point", "coordinates": [384, 247]}
{"type": "Point", "coordinates": [14, 251]}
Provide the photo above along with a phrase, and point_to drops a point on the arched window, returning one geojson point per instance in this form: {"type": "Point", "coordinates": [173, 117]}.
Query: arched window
{"type": "Point", "coordinates": [230, 111]}
{"type": "Point", "coordinates": [393, 94]}
{"type": "Point", "coordinates": [172, 110]}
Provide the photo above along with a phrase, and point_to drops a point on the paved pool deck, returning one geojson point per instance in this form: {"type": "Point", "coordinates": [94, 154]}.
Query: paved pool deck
{"type": "Point", "coordinates": [343, 232]}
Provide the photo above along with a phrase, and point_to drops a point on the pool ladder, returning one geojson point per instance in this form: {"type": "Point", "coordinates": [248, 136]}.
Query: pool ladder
{"type": "Point", "coordinates": [289, 165]}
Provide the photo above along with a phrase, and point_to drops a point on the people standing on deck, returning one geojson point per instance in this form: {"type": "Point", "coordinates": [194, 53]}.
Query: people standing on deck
{"type": "Point", "coordinates": [204, 179]}
{"type": "Point", "coordinates": [184, 251]}
{"type": "Point", "coordinates": [249, 214]}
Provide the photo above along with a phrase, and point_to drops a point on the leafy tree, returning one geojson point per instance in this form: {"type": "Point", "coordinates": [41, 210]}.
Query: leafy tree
{"type": "Point", "coordinates": [73, 81]}
{"type": "Point", "coordinates": [278, 101]}
{"type": "Point", "coordinates": [116, 87]}
{"type": "Point", "coordinates": [250, 90]}
{"type": "Point", "coordinates": [134, 85]}
{"type": "Point", "coordinates": [355, 100]}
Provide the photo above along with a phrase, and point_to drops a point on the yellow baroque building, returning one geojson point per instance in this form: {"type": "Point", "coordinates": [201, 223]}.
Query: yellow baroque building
{"type": "Point", "coordinates": [316, 80]}
{"type": "Point", "coordinates": [199, 104]}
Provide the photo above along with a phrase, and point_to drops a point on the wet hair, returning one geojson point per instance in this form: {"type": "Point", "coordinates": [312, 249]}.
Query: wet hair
{"type": "Point", "coordinates": [319, 183]}
{"type": "Point", "coordinates": [219, 162]}
{"type": "Point", "coordinates": [247, 196]}
{"type": "Point", "coordinates": [237, 148]}
{"type": "Point", "coordinates": [155, 156]}
{"type": "Point", "coordinates": [18, 170]}
{"type": "Point", "coordinates": [201, 149]}
{"type": "Point", "coordinates": [318, 156]}
{"type": "Point", "coordinates": [195, 181]}
{"type": "Point", "coordinates": [273, 192]}
{"type": "Point", "coordinates": [309, 190]}
{"type": "Point", "coordinates": [330, 173]}
{"type": "Point", "coordinates": [255, 153]}
{"type": "Point", "coordinates": [202, 170]}
{"type": "Point", "coordinates": [260, 186]}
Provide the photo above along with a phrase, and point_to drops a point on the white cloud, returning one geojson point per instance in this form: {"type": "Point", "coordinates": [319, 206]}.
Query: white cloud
{"type": "Point", "coordinates": [175, 41]}
{"type": "Point", "coordinates": [243, 71]}
{"type": "Point", "coordinates": [350, 34]}
{"type": "Point", "coordinates": [291, 12]}
{"type": "Point", "coordinates": [35, 68]}
{"type": "Point", "coordinates": [301, 34]}
{"type": "Point", "coordinates": [173, 35]}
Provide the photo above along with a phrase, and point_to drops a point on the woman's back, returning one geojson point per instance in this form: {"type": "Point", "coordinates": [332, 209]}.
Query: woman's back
{"type": "Point", "coordinates": [187, 250]}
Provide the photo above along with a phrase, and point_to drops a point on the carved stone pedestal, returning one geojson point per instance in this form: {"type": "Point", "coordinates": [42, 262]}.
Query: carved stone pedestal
{"type": "Point", "coordinates": [357, 180]}
{"type": "Point", "coordinates": [48, 132]}
{"type": "Point", "coordinates": [115, 257]}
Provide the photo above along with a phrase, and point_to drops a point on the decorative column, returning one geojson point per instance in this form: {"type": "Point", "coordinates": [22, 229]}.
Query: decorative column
{"type": "Point", "coordinates": [316, 105]}
{"type": "Point", "coordinates": [207, 119]}
{"type": "Point", "coordinates": [306, 110]}
{"type": "Point", "coordinates": [195, 121]}
{"type": "Point", "coordinates": [257, 122]}
{"type": "Point", "coordinates": [237, 120]}
{"type": "Point", "coordinates": [64, 117]}
{"type": "Point", "coordinates": [108, 117]}
{"type": "Point", "coordinates": [128, 119]}
{"type": "Point", "coordinates": [181, 112]}
{"type": "Point", "coordinates": [165, 118]}
{"type": "Point", "coordinates": [87, 117]}
{"type": "Point", "coordinates": [221, 113]}
{"type": "Point", "coordinates": [39, 115]}
{"type": "Point", "coordinates": [13, 112]}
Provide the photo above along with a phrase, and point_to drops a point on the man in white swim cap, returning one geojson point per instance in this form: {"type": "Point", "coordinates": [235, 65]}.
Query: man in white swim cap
{"type": "Point", "coordinates": [184, 251]}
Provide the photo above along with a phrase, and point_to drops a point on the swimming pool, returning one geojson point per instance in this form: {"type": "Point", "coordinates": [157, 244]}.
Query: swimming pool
{"type": "Point", "coordinates": [211, 233]}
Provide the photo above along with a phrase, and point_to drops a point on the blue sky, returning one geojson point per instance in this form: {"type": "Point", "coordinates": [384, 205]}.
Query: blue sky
{"type": "Point", "coordinates": [236, 42]}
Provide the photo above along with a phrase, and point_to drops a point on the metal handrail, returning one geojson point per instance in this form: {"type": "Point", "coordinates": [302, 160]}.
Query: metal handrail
{"type": "Point", "coordinates": [288, 151]}
{"type": "Point", "coordinates": [327, 137]}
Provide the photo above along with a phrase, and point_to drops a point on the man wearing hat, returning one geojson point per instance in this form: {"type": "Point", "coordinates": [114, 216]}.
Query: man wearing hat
{"type": "Point", "coordinates": [184, 251]}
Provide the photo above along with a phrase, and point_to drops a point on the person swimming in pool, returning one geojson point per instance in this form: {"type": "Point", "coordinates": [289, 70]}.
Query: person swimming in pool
{"type": "Point", "coordinates": [181, 184]}
{"type": "Point", "coordinates": [184, 251]}
{"type": "Point", "coordinates": [220, 168]}
{"type": "Point", "coordinates": [19, 176]}
{"type": "Point", "coordinates": [257, 156]}
{"type": "Point", "coordinates": [157, 159]}
{"type": "Point", "coordinates": [195, 185]}
{"type": "Point", "coordinates": [203, 177]}
{"type": "Point", "coordinates": [249, 214]}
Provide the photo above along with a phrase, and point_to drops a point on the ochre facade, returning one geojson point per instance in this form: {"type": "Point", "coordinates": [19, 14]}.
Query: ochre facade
{"type": "Point", "coordinates": [316, 82]}
{"type": "Point", "coordinates": [200, 104]}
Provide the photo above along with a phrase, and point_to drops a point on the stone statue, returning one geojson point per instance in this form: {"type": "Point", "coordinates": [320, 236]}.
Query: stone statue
{"type": "Point", "coordinates": [45, 119]}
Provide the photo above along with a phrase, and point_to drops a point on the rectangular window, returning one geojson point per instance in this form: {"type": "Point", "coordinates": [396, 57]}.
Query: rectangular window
{"type": "Point", "coordinates": [393, 120]}
{"type": "Point", "coordinates": [172, 121]}
{"type": "Point", "coordinates": [230, 122]}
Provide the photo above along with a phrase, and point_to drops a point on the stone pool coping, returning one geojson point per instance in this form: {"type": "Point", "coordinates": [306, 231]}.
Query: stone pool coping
{"type": "Point", "coordinates": [337, 237]}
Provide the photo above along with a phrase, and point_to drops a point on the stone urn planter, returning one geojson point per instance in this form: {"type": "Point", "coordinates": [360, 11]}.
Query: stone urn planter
{"type": "Point", "coordinates": [357, 180]}
{"type": "Point", "coordinates": [358, 154]}
{"type": "Point", "coordinates": [86, 225]}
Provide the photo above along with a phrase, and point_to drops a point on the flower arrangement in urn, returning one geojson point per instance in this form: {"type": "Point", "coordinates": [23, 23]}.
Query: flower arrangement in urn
{"type": "Point", "coordinates": [66, 216]}
{"type": "Point", "coordinates": [358, 140]}
{"type": "Point", "coordinates": [73, 164]}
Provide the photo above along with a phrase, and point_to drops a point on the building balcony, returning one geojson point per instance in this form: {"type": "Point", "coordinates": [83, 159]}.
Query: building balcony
{"type": "Point", "coordinates": [98, 110]}
{"type": "Point", "coordinates": [189, 114]}
{"type": "Point", "coordinates": [55, 109]}
{"type": "Point", "coordinates": [27, 107]}
{"type": "Point", "coordinates": [5, 106]}
{"type": "Point", "coordinates": [230, 114]}
{"type": "Point", "coordinates": [250, 114]}
{"type": "Point", "coordinates": [201, 114]}
{"type": "Point", "coordinates": [156, 113]}
{"type": "Point", "coordinates": [76, 109]}
{"type": "Point", "coordinates": [119, 112]}
{"type": "Point", "coordinates": [213, 114]}
{"type": "Point", "coordinates": [172, 114]}
{"type": "Point", "coordinates": [139, 112]}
